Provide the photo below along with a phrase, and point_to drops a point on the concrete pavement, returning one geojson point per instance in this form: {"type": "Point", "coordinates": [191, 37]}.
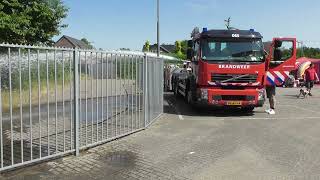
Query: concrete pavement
{"type": "Point", "coordinates": [205, 144]}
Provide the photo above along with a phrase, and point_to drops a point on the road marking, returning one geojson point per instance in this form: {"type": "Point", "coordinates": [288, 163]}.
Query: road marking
{"type": "Point", "coordinates": [191, 152]}
{"type": "Point", "coordinates": [181, 117]}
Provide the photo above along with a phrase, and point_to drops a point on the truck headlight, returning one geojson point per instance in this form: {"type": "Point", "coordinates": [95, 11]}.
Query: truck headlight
{"type": "Point", "coordinates": [204, 93]}
{"type": "Point", "coordinates": [261, 94]}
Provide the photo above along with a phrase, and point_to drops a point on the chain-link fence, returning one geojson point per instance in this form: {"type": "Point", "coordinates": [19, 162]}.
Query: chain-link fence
{"type": "Point", "coordinates": [55, 101]}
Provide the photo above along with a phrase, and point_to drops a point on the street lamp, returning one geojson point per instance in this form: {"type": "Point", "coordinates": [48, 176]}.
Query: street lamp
{"type": "Point", "coordinates": [158, 27]}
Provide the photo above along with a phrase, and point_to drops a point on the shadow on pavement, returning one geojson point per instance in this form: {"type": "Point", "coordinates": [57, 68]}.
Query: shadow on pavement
{"type": "Point", "coordinates": [179, 106]}
{"type": "Point", "coordinates": [293, 96]}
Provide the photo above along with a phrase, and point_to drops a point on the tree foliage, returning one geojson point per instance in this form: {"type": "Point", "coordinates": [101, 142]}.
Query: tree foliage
{"type": "Point", "coordinates": [184, 46]}
{"type": "Point", "coordinates": [86, 41]}
{"type": "Point", "coordinates": [146, 47]}
{"type": "Point", "coordinates": [309, 52]}
{"type": "Point", "coordinates": [178, 50]}
{"type": "Point", "coordinates": [178, 47]}
{"type": "Point", "coordinates": [31, 21]}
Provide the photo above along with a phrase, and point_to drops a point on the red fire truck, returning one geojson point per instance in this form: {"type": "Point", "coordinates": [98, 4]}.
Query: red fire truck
{"type": "Point", "coordinates": [230, 68]}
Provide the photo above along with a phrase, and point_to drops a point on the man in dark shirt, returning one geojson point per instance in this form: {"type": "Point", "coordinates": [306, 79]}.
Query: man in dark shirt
{"type": "Point", "coordinates": [271, 89]}
{"type": "Point", "coordinates": [310, 78]}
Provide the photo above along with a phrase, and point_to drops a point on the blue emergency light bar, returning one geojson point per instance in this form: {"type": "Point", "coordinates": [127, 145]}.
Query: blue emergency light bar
{"type": "Point", "coordinates": [204, 29]}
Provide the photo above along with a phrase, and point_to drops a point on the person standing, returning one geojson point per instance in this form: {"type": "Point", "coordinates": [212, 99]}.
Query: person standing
{"type": "Point", "coordinates": [271, 89]}
{"type": "Point", "coordinates": [310, 78]}
{"type": "Point", "coordinates": [271, 93]}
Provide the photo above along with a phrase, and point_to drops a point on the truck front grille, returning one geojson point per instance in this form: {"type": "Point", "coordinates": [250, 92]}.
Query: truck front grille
{"type": "Point", "coordinates": [233, 98]}
{"type": "Point", "coordinates": [234, 78]}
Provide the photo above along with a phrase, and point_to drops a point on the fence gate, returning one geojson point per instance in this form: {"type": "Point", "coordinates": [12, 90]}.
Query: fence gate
{"type": "Point", "coordinates": [55, 101]}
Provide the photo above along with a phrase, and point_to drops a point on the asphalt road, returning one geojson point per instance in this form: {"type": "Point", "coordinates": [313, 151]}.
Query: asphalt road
{"type": "Point", "coordinates": [229, 144]}
{"type": "Point", "coordinates": [117, 116]}
{"type": "Point", "coordinates": [88, 107]}
{"type": "Point", "coordinates": [186, 143]}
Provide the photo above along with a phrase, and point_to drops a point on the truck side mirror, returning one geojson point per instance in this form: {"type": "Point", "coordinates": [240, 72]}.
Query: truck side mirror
{"type": "Point", "coordinates": [190, 54]}
{"type": "Point", "coordinates": [277, 55]}
{"type": "Point", "coordinates": [190, 44]}
{"type": "Point", "coordinates": [277, 43]}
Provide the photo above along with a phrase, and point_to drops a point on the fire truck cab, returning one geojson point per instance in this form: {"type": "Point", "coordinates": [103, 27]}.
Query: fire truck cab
{"type": "Point", "coordinates": [230, 68]}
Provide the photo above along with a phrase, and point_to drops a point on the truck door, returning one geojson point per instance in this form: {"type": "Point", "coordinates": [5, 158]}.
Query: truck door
{"type": "Point", "coordinates": [280, 61]}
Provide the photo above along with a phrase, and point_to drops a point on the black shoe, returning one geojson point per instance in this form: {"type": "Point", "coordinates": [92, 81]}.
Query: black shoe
{"type": "Point", "coordinates": [310, 94]}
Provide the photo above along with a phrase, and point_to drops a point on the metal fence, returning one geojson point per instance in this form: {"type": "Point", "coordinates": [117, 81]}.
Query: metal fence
{"type": "Point", "coordinates": [55, 101]}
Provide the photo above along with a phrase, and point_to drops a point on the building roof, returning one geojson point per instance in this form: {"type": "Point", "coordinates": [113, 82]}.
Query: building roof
{"type": "Point", "coordinates": [267, 46]}
{"type": "Point", "coordinates": [76, 42]}
{"type": "Point", "coordinates": [168, 48]}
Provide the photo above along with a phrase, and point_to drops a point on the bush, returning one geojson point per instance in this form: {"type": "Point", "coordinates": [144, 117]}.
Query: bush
{"type": "Point", "coordinates": [15, 74]}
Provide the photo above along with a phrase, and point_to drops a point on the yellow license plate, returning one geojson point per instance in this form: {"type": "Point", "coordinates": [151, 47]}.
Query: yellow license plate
{"type": "Point", "coordinates": [234, 103]}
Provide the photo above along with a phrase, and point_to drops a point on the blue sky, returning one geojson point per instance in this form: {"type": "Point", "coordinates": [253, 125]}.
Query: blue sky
{"type": "Point", "coordinates": [112, 24]}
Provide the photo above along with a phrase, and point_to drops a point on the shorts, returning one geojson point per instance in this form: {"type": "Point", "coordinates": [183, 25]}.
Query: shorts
{"type": "Point", "coordinates": [271, 91]}
{"type": "Point", "coordinates": [309, 84]}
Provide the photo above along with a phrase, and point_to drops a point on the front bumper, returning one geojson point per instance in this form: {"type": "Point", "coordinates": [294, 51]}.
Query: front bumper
{"type": "Point", "coordinates": [231, 98]}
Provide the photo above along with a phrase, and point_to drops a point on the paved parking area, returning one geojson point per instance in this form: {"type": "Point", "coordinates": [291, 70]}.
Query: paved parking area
{"type": "Point", "coordinates": [205, 144]}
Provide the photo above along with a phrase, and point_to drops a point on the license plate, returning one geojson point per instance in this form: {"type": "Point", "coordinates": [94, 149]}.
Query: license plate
{"type": "Point", "coordinates": [234, 103]}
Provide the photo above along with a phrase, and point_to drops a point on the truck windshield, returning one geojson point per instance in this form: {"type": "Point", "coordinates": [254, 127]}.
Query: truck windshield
{"type": "Point", "coordinates": [242, 50]}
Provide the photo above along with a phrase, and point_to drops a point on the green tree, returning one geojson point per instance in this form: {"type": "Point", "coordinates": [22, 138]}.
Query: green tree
{"type": "Point", "coordinates": [308, 52]}
{"type": "Point", "coordinates": [179, 52]}
{"type": "Point", "coordinates": [31, 21]}
{"type": "Point", "coordinates": [86, 41]}
{"type": "Point", "coordinates": [184, 46]}
{"type": "Point", "coordinates": [178, 47]}
{"type": "Point", "coordinates": [146, 47]}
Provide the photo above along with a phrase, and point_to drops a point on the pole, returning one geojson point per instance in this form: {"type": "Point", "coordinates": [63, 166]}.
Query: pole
{"type": "Point", "coordinates": [300, 45]}
{"type": "Point", "coordinates": [158, 29]}
{"type": "Point", "coordinates": [145, 90]}
{"type": "Point", "coordinates": [302, 48]}
{"type": "Point", "coordinates": [76, 95]}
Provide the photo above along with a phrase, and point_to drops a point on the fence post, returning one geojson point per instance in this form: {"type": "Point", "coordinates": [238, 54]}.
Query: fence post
{"type": "Point", "coordinates": [162, 84]}
{"type": "Point", "coordinates": [76, 100]}
{"type": "Point", "coordinates": [145, 89]}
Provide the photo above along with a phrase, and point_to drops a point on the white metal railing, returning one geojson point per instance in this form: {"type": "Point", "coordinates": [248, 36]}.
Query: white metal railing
{"type": "Point", "coordinates": [55, 101]}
